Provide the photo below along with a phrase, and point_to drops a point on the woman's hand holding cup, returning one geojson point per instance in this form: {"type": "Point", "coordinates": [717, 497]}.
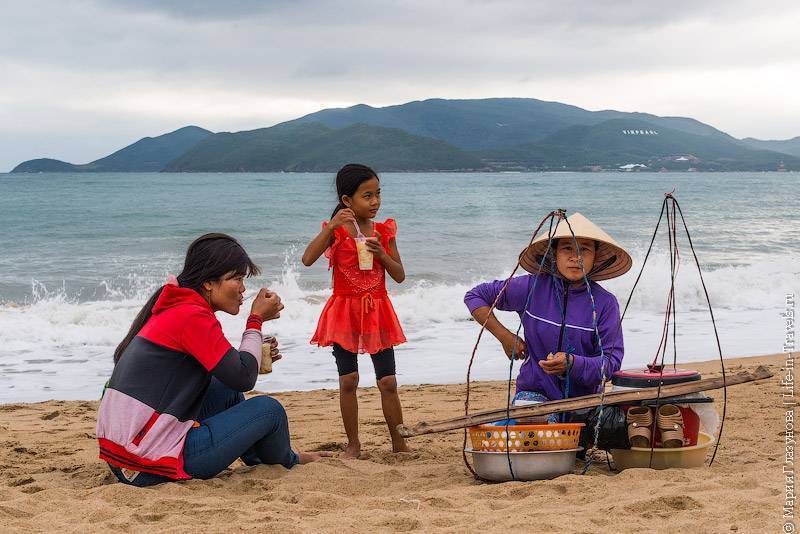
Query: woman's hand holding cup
{"type": "Point", "coordinates": [275, 353]}
{"type": "Point", "coordinates": [267, 305]}
{"type": "Point", "coordinates": [269, 354]}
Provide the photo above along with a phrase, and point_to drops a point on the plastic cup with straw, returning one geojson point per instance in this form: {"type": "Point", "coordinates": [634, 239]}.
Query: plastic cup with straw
{"type": "Point", "coordinates": [364, 255]}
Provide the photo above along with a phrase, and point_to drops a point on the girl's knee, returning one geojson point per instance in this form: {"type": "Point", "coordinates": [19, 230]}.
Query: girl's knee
{"type": "Point", "coordinates": [388, 385]}
{"type": "Point", "coordinates": [348, 383]}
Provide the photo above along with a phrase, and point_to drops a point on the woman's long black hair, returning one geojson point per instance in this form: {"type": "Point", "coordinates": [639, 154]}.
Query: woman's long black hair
{"type": "Point", "coordinates": [208, 258]}
{"type": "Point", "coordinates": [348, 179]}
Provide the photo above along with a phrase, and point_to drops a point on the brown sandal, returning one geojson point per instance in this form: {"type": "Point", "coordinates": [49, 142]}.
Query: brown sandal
{"type": "Point", "coordinates": [670, 423]}
{"type": "Point", "coordinates": [640, 419]}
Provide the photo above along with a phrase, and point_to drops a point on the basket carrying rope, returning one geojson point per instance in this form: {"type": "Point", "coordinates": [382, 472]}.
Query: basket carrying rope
{"type": "Point", "coordinates": [557, 215]}
{"type": "Point", "coordinates": [672, 208]}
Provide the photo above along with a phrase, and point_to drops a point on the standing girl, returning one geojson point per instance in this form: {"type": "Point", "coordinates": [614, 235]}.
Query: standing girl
{"type": "Point", "coordinates": [359, 318]}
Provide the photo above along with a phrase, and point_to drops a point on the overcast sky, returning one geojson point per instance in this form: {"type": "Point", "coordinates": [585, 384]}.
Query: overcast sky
{"type": "Point", "coordinates": [80, 79]}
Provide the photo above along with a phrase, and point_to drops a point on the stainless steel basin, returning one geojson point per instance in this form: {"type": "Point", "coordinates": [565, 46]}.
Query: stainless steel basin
{"type": "Point", "coordinates": [535, 465]}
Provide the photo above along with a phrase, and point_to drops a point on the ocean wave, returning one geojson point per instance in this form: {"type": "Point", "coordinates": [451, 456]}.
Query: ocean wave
{"type": "Point", "coordinates": [40, 337]}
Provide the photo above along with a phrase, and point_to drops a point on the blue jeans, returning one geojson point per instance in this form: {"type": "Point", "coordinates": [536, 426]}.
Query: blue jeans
{"type": "Point", "coordinates": [255, 430]}
{"type": "Point", "coordinates": [528, 397]}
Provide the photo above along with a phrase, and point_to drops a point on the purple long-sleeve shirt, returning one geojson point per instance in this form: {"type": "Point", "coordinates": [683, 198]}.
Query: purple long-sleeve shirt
{"type": "Point", "coordinates": [542, 322]}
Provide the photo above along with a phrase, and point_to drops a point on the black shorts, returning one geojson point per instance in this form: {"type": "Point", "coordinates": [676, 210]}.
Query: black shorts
{"type": "Point", "coordinates": [347, 362]}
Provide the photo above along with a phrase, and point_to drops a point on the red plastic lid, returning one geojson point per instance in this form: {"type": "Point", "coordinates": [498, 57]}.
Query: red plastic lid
{"type": "Point", "coordinates": [647, 373]}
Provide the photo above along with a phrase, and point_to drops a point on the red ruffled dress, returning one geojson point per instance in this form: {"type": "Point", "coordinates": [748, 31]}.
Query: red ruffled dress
{"type": "Point", "coordinates": [359, 315]}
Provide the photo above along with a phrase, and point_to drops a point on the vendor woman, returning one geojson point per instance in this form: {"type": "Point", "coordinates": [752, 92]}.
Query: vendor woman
{"type": "Point", "coordinates": [561, 352]}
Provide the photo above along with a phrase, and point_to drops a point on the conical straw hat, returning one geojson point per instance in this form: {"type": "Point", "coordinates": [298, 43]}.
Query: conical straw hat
{"type": "Point", "coordinates": [610, 260]}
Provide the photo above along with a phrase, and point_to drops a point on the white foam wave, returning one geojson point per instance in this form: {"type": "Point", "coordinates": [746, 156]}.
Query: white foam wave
{"type": "Point", "coordinates": [749, 286]}
{"type": "Point", "coordinates": [40, 339]}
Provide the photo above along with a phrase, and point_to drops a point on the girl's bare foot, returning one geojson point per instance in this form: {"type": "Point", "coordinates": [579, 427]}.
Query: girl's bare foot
{"type": "Point", "coordinates": [400, 446]}
{"type": "Point", "coordinates": [308, 457]}
{"type": "Point", "coordinates": [352, 451]}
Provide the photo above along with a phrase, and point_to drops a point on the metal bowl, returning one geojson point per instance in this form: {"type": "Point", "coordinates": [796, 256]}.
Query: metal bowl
{"type": "Point", "coordinates": [535, 465]}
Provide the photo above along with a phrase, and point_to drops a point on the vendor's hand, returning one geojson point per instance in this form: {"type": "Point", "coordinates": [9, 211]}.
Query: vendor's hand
{"type": "Point", "coordinates": [374, 245]}
{"type": "Point", "coordinates": [342, 216]}
{"type": "Point", "coordinates": [267, 305]}
{"type": "Point", "coordinates": [556, 364]}
{"type": "Point", "coordinates": [514, 346]}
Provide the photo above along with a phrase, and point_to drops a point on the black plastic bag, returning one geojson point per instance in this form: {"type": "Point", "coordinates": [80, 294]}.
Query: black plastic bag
{"type": "Point", "coordinates": [613, 427]}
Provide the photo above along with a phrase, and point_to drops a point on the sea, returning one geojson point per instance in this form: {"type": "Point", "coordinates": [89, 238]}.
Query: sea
{"type": "Point", "coordinates": [80, 253]}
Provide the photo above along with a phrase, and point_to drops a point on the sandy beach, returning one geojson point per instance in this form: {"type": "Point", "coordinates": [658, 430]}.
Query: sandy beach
{"type": "Point", "coordinates": [51, 479]}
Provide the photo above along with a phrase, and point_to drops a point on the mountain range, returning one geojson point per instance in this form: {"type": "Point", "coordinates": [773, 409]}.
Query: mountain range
{"type": "Point", "coordinates": [437, 135]}
{"type": "Point", "coordinates": [787, 146]}
{"type": "Point", "coordinates": [149, 154]}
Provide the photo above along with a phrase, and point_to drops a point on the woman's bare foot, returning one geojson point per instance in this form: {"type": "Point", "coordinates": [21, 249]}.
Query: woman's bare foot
{"type": "Point", "coordinates": [352, 451]}
{"type": "Point", "coordinates": [308, 457]}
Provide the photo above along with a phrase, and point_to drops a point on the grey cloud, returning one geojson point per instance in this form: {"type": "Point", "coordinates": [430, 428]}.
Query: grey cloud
{"type": "Point", "coordinates": [156, 62]}
{"type": "Point", "coordinates": [204, 9]}
{"type": "Point", "coordinates": [315, 37]}
{"type": "Point", "coordinates": [532, 13]}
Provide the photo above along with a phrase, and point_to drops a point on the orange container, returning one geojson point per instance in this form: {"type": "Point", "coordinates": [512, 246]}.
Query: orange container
{"type": "Point", "coordinates": [525, 438]}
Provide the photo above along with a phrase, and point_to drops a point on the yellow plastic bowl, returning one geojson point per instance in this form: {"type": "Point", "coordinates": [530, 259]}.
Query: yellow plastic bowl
{"type": "Point", "coordinates": [683, 457]}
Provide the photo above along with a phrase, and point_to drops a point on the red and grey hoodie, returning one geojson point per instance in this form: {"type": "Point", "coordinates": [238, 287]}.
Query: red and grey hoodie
{"type": "Point", "coordinates": [159, 382]}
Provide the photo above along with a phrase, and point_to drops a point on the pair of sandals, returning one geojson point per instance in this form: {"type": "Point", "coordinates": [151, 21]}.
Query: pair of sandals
{"type": "Point", "coordinates": [669, 421]}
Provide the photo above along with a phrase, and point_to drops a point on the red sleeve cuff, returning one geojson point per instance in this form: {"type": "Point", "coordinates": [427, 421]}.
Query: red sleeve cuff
{"type": "Point", "coordinates": [254, 322]}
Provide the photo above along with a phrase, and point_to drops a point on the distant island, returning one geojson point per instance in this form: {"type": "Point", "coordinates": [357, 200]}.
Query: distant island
{"type": "Point", "coordinates": [494, 134]}
{"type": "Point", "coordinates": [150, 154]}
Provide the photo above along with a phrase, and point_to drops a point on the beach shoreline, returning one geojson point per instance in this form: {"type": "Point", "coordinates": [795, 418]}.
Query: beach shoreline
{"type": "Point", "coordinates": [51, 478]}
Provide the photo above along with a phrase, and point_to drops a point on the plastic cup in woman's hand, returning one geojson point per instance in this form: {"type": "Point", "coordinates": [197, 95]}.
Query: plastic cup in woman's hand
{"type": "Point", "coordinates": [269, 354]}
{"type": "Point", "coordinates": [266, 355]}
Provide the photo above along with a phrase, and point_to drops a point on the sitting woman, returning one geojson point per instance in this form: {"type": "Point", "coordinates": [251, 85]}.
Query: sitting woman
{"type": "Point", "coordinates": [174, 407]}
{"type": "Point", "coordinates": [561, 352]}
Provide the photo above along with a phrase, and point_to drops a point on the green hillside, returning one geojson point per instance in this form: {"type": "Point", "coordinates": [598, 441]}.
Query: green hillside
{"type": "Point", "coordinates": [618, 142]}
{"type": "Point", "coordinates": [313, 147]}
{"type": "Point", "coordinates": [45, 165]}
{"type": "Point", "coordinates": [490, 122]}
{"type": "Point", "coordinates": [149, 154]}
{"type": "Point", "coordinates": [784, 146]}
{"type": "Point", "coordinates": [439, 134]}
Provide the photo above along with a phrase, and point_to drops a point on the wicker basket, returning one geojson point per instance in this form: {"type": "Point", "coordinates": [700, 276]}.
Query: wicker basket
{"type": "Point", "coordinates": [525, 438]}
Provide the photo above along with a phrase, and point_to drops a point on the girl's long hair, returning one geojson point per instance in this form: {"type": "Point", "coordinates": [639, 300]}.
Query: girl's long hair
{"type": "Point", "coordinates": [348, 179]}
{"type": "Point", "coordinates": [208, 259]}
